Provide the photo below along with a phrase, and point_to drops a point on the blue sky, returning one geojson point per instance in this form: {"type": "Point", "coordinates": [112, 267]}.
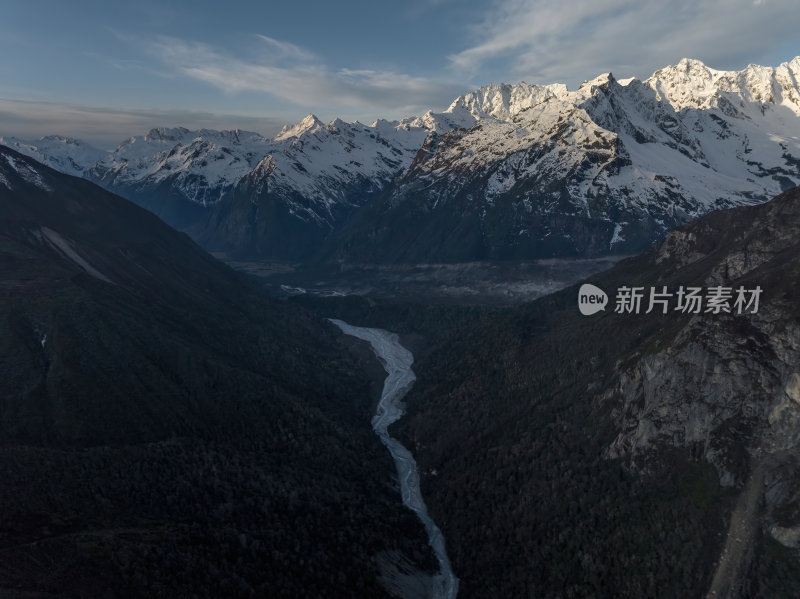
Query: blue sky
{"type": "Point", "coordinates": [105, 70]}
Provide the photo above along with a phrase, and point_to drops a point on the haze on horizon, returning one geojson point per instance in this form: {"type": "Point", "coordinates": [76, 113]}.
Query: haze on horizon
{"type": "Point", "coordinates": [107, 71]}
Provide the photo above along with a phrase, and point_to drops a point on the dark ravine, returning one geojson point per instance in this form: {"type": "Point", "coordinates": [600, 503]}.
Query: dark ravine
{"type": "Point", "coordinates": [730, 576]}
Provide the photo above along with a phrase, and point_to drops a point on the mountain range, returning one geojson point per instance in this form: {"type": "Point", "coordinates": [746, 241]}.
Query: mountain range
{"type": "Point", "coordinates": [506, 172]}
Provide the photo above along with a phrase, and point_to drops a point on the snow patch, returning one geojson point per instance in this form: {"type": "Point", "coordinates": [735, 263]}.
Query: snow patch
{"type": "Point", "coordinates": [27, 172]}
{"type": "Point", "coordinates": [616, 237]}
{"type": "Point", "coordinates": [68, 251]}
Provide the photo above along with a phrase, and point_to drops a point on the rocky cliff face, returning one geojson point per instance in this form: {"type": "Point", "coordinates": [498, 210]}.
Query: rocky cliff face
{"type": "Point", "coordinates": [726, 388]}
{"type": "Point", "coordinates": [713, 384]}
{"type": "Point", "coordinates": [723, 372]}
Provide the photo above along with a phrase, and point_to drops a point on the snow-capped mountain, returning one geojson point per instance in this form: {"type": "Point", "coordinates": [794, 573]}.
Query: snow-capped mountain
{"type": "Point", "coordinates": [201, 165]}
{"type": "Point", "coordinates": [609, 167]}
{"type": "Point", "coordinates": [65, 154]}
{"type": "Point", "coordinates": [311, 182]}
{"type": "Point", "coordinates": [320, 163]}
{"type": "Point", "coordinates": [506, 171]}
{"type": "Point", "coordinates": [313, 170]}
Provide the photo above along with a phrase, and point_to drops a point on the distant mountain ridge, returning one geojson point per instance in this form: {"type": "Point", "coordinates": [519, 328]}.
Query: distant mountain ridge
{"type": "Point", "coordinates": [506, 172]}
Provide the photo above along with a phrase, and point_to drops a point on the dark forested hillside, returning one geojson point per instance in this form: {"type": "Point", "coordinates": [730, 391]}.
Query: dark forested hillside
{"type": "Point", "coordinates": [607, 456]}
{"type": "Point", "coordinates": [167, 430]}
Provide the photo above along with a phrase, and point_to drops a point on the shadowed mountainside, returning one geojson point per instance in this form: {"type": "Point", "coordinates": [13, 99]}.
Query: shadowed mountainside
{"type": "Point", "coordinates": [165, 428]}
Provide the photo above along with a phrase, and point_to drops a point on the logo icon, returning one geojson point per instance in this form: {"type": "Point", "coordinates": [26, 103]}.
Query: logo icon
{"type": "Point", "coordinates": [591, 299]}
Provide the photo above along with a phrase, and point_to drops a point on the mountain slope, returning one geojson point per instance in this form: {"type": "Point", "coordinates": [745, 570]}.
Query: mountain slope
{"type": "Point", "coordinates": [166, 429]}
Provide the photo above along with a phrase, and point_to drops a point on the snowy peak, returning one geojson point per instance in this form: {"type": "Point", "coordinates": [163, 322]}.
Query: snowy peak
{"type": "Point", "coordinates": [67, 141]}
{"type": "Point", "coordinates": [199, 165]}
{"type": "Point", "coordinates": [692, 84]}
{"type": "Point", "coordinates": [440, 122]}
{"type": "Point", "coordinates": [606, 80]}
{"type": "Point", "coordinates": [505, 101]}
{"type": "Point", "coordinates": [628, 161]}
{"type": "Point", "coordinates": [310, 124]}
{"type": "Point", "coordinates": [337, 124]}
{"type": "Point", "coordinates": [171, 136]}
{"type": "Point", "coordinates": [335, 164]}
{"type": "Point", "coordinates": [263, 168]}
{"type": "Point", "coordinates": [309, 158]}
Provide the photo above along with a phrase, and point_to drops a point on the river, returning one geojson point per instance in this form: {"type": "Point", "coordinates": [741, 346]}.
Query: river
{"type": "Point", "coordinates": [397, 361]}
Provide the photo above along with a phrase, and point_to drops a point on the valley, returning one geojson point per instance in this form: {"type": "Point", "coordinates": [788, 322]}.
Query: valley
{"type": "Point", "coordinates": [476, 283]}
{"type": "Point", "coordinates": [168, 429]}
{"type": "Point", "coordinates": [207, 339]}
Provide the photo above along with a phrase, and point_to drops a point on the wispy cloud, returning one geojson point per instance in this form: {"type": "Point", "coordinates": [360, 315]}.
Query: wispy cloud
{"type": "Point", "coordinates": [107, 127]}
{"type": "Point", "coordinates": [286, 50]}
{"type": "Point", "coordinates": [295, 75]}
{"type": "Point", "coordinates": [553, 40]}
